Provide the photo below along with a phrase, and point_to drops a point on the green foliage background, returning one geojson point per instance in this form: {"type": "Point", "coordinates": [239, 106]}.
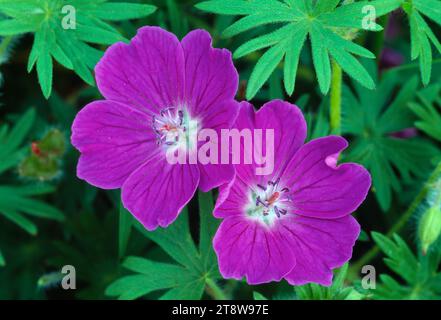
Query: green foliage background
{"type": "Point", "coordinates": [314, 53]}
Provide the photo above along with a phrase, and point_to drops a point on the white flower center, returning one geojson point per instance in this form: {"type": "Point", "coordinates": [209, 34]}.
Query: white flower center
{"type": "Point", "coordinates": [174, 129]}
{"type": "Point", "coordinates": [268, 202]}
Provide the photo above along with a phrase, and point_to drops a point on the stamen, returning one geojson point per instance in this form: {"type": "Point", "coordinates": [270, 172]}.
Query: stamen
{"type": "Point", "coordinates": [271, 199]}
{"type": "Point", "coordinates": [259, 201]}
{"type": "Point", "coordinates": [276, 211]}
{"type": "Point", "coordinates": [169, 126]}
{"type": "Point", "coordinates": [181, 117]}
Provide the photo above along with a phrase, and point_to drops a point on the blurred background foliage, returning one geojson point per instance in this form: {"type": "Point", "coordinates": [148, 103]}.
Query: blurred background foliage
{"type": "Point", "coordinates": [49, 218]}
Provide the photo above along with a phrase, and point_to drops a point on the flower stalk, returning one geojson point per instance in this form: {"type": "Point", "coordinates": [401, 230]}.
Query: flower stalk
{"type": "Point", "coordinates": [336, 89]}
{"type": "Point", "coordinates": [214, 290]}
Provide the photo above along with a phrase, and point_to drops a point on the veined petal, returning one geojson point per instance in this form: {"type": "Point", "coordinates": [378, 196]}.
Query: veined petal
{"type": "Point", "coordinates": [321, 189]}
{"type": "Point", "coordinates": [157, 192]}
{"type": "Point", "coordinates": [245, 248]}
{"type": "Point", "coordinates": [211, 84]}
{"type": "Point", "coordinates": [210, 75]}
{"type": "Point", "coordinates": [147, 73]}
{"type": "Point", "coordinates": [319, 246]}
{"type": "Point", "coordinates": [289, 128]}
{"type": "Point", "coordinates": [214, 174]}
{"type": "Point", "coordinates": [114, 140]}
{"type": "Point", "coordinates": [232, 199]}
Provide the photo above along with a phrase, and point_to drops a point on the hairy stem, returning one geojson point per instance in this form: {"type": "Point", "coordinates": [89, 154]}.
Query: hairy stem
{"type": "Point", "coordinates": [214, 290]}
{"type": "Point", "coordinates": [373, 252]}
{"type": "Point", "coordinates": [335, 112]}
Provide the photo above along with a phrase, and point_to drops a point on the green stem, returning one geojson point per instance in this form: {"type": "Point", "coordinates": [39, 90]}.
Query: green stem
{"type": "Point", "coordinates": [373, 252]}
{"type": "Point", "coordinates": [214, 290]}
{"type": "Point", "coordinates": [335, 112]}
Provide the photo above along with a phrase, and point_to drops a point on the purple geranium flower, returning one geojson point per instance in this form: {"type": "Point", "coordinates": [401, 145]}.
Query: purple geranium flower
{"type": "Point", "coordinates": [158, 90]}
{"type": "Point", "coordinates": [295, 223]}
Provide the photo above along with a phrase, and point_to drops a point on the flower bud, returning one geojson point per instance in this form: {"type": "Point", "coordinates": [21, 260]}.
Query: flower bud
{"type": "Point", "coordinates": [43, 161]}
{"type": "Point", "coordinates": [430, 227]}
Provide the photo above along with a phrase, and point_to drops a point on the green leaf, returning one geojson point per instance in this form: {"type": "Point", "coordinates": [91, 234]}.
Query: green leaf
{"type": "Point", "coordinates": [176, 241]}
{"type": "Point", "coordinates": [264, 68]}
{"type": "Point", "coordinates": [429, 115]}
{"type": "Point", "coordinates": [321, 61]}
{"type": "Point", "coordinates": [20, 220]}
{"type": "Point", "coordinates": [373, 118]}
{"type": "Point", "coordinates": [190, 291]}
{"type": "Point", "coordinates": [44, 70]}
{"type": "Point", "coordinates": [323, 6]}
{"type": "Point", "coordinates": [97, 35]}
{"type": "Point", "coordinates": [13, 200]}
{"type": "Point", "coordinates": [292, 59]}
{"type": "Point", "coordinates": [337, 291]}
{"type": "Point", "coordinates": [134, 287]}
{"type": "Point", "coordinates": [20, 130]}
{"type": "Point", "coordinates": [258, 296]}
{"type": "Point", "coordinates": [13, 27]}
{"type": "Point", "coordinates": [323, 22]}
{"type": "Point", "coordinates": [17, 200]}
{"type": "Point", "coordinates": [116, 11]}
{"type": "Point", "coordinates": [67, 45]}
{"type": "Point", "coordinates": [430, 8]}
{"type": "Point", "coordinates": [420, 33]}
{"type": "Point", "coordinates": [184, 280]}
{"type": "Point", "coordinates": [418, 273]}
{"type": "Point", "coordinates": [9, 145]}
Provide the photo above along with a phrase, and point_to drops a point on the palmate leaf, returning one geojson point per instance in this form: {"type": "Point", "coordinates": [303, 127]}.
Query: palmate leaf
{"type": "Point", "coordinates": [337, 291]}
{"type": "Point", "coordinates": [57, 37]}
{"type": "Point", "coordinates": [420, 274]}
{"type": "Point", "coordinates": [374, 118]}
{"type": "Point", "coordinates": [421, 34]}
{"type": "Point", "coordinates": [11, 150]}
{"type": "Point", "coordinates": [194, 264]}
{"type": "Point", "coordinates": [17, 202]}
{"type": "Point", "coordinates": [325, 24]}
{"type": "Point", "coordinates": [428, 110]}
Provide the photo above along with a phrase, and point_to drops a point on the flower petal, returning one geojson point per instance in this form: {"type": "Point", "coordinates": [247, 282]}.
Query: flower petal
{"type": "Point", "coordinates": [215, 173]}
{"type": "Point", "coordinates": [114, 140]}
{"type": "Point", "coordinates": [289, 131]}
{"type": "Point", "coordinates": [157, 192]}
{"type": "Point", "coordinates": [147, 74]}
{"type": "Point", "coordinates": [321, 189]}
{"type": "Point", "coordinates": [289, 127]}
{"type": "Point", "coordinates": [232, 199]}
{"type": "Point", "coordinates": [247, 248]}
{"type": "Point", "coordinates": [210, 75]}
{"type": "Point", "coordinates": [211, 84]}
{"type": "Point", "coordinates": [319, 246]}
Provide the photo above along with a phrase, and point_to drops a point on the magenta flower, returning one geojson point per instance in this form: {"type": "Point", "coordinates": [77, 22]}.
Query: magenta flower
{"type": "Point", "coordinates": [295, 223]}
{"type": "Point", "coordinates": [157, 90]}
